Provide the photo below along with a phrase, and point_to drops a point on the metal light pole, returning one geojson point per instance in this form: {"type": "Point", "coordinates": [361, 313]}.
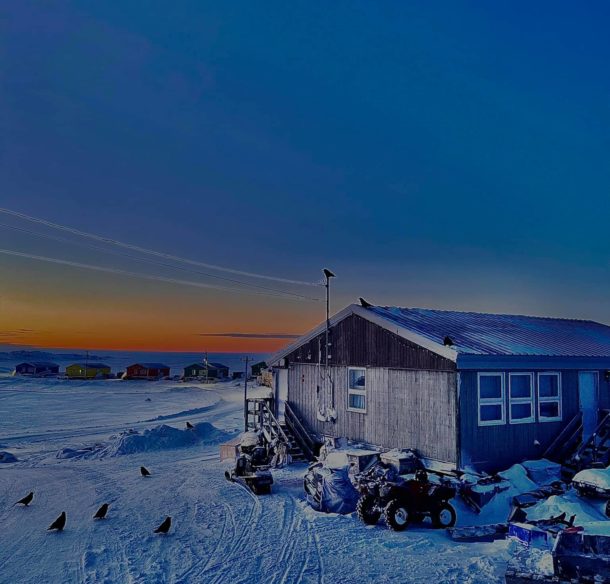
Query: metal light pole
{"type": "Point", "coordinates": [247, 359]}
{"type": "Point", "coordinates": [328, 275]}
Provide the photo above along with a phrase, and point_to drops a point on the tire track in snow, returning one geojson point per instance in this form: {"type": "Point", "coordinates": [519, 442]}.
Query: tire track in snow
{"type": "Point", "coordinates": [197, 569]}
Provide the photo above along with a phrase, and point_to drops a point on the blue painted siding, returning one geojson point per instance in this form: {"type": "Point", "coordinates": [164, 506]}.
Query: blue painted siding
{"type": "Point", "coordinates": [496, 447]}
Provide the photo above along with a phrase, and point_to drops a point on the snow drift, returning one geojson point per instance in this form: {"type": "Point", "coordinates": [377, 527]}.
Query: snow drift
{"type": "Point", "coordinates": [7, 457]}
{"type": "Point", "coordinates": [161, 437]}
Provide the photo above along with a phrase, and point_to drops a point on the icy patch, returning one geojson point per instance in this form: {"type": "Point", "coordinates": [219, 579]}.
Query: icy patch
{"type": "Point", "coordinates": [7, 457]}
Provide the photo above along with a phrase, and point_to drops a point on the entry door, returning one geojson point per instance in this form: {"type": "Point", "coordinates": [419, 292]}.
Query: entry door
{"type": "Point", "coordinates": [281, 391]}
{"type": "Point", "coordinates": [587, 393]}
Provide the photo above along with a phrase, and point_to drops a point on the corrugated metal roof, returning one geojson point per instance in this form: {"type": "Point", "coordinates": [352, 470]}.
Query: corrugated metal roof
{"type": "Point", "coordinates": [503, 334]}
{"type": "Point", "coordinates": [91, 365]}
{"type": "Point", "coordinates": [151, 365]}
{"type": "Point", "coordinates": [39, 364]}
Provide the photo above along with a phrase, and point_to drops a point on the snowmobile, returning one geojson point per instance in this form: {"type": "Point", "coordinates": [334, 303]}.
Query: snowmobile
{"type": "Point", "coordinates": [404, 501]}
{"type": "Point", "coordinates": [252, 466]}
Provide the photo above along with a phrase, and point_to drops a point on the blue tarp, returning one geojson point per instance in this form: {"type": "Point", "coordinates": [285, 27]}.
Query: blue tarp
{"type": "Point", "coordinates": [336, 492]}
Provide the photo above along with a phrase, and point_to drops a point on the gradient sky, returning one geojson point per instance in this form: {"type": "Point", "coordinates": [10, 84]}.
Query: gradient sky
{"type": "Point", "coordinates": [439, 154]}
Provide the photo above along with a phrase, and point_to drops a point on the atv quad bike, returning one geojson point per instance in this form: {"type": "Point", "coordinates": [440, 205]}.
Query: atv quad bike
{"type": "Point", "coordinates": [403, 502]}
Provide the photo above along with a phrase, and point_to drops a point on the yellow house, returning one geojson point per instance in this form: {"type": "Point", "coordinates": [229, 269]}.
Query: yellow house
{"type": "Point", "coordinates": [87, 371]}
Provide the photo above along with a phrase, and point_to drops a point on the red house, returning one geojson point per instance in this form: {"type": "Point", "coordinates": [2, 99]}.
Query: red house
{"type": "Point", "coordinates": [147, 371]}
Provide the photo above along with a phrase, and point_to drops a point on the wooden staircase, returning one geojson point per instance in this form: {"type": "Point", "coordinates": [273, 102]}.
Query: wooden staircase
{"type": "Point", "coordinates": [594, 452]}
{"type": "Point", "coordinates": [260, 418]}
{"type": "Point", "coordinates": [309, 442]}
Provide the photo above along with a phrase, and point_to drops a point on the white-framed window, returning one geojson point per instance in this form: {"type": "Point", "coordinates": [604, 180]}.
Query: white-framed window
{"type": "Point", "coordinates": [356, 390]}
{"type": "Point", "coordinates": [491, 399]}
{"type": "Point", "coordinates": [521, 398]}
{"type": "Point", "coordinates": [549, 396]}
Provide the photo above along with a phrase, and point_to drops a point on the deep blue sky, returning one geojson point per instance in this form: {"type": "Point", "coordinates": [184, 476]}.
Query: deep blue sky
{"type": "Point", "coordinates": [445, 154]}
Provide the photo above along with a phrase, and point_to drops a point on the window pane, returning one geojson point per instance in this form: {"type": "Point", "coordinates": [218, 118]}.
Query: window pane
{"type": "Point", "coordinates": [520, 386]}
{"type": "Point", "coordinates": [491, 413]}
{"type": "Point", "coordinates": [490, 386]}
{"type": "Point", "coordinates": [520, 411]}
{"type": "Point", "coordinates": [548, 386]}
{"type": "Point", "coordinates": [549, 409]}
{"type": "Point", "coordinates": [356, 401]}
{"type": "Point", "coordinates": [356, 378]}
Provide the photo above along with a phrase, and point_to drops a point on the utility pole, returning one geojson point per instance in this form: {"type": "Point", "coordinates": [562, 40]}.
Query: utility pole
{"type": "Point", "coordinates": [247, 359]}
{"type": "Point", "coordinates": [328, 275]}
{"type": "Point", "coordinates": [206, 367]}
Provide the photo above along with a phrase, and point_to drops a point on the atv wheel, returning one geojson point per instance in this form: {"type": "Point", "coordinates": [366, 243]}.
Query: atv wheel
{"type": "Point", "coordinates": [396, 515]}
{"type": "Point", "coordinates": [444, 516]}
{"type": "Point", "coordinates": [367, 510]}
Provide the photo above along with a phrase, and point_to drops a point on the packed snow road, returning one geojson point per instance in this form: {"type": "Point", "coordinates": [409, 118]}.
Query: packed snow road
{"type": "Point", "coordinates": [220, 532]}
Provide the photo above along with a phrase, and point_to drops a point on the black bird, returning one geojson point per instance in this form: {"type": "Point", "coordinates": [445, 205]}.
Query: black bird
{"type": "Point", "coordinates": [189, 426]}
{"type": "Point", "coordinates": [364, 303]}
{"type": "Point", "coordinates": [101, 512]}
{"type": "Point", "coordinates": [26, 500]}
{"type": "Point", "coordinates": [144, 471]}
{"type": "Point", "coordinates": [59, 523]}
{"type": "Point", "coordinates": [164, 527]}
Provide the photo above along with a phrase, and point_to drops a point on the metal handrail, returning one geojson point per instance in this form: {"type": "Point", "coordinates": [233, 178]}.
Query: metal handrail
{"type": "Point", "coordinates": [591, 439]}
{"type": "Point", "coordinates": [300, 430]}
{"type": "Point", "coordinates": [561, 438]}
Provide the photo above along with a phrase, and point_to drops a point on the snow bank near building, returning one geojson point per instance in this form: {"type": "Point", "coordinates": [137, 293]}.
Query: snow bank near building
{"type": "Point", "coordinates": [7, 457]}
{"type": "Point", "coordinates": [166, 437]}
{"type": "Point", "coordinates": [159, 438]}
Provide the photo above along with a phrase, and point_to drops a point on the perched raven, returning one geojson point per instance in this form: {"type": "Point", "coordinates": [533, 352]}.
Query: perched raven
{"type": "Point", "coordinates": [26, 500]}
{"type": "Point", "coordinates": [101, 512]}
{"type": "Point", "coordinates": [59, 523]}
{"type": "Point", "coordinates": [189, 426]}
{"type": "Point", "coordinates": [164, 527]}
{"type": "Point", "coordinates": [144, 471]}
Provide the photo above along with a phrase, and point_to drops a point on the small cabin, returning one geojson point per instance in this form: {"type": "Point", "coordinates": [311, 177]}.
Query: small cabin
{"type": "Point", "coordinates": [209, 371]}
{"type": "Point", "coordinates": [37, 368]}
{"type": "Point", "coordinates": [472, 390]}
{"type": "Point", "coordinates": [258, 368]}
{"type": "Point", "coordinates": [148, 371]}
{"type": "Point", "coordinates": [88, 371]}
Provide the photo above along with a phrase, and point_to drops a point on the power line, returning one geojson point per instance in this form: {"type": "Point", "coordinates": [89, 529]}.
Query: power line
{"type": "Point", "coordinates": [148, 260]}
{"type": "Point", "coordinates": [145, 276]}
{"type": "Point", "coordinates": [151, 252]}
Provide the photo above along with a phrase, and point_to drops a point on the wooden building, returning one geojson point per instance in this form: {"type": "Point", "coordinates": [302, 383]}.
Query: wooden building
{"type": "Point", "coordinates": [209, 371]}
{"type": "Point", "coordinates": [467, 389]}
{"type": "Point", "coordinates": [37, 368]}
{"type": "Point", "coordinates": [88, 371]}
{"type": "Point", "coordinates": [147, 371]}
{"type": "Point", "coordinates": [258, 368]}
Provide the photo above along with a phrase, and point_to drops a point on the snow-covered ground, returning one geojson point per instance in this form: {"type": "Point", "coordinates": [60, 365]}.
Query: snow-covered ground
{"type": "Point", "coordinates": [75, 451]}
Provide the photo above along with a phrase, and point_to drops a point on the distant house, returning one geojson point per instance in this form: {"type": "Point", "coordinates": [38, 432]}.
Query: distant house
{"type": "Point", "coordinates": [146, 371]}
{"type": "Point", "coordinates": [203, 371]}
{"type": "Point", "coordinates": [238, 375]}
{"type": "Point", "coordinates": [258, 368]}
{"type": "Point", "coordinates": [468, 389]}
{"type": "Point", "coordinates": [88, 371]}
{"type": "Point", "coordinates": [37, 368]}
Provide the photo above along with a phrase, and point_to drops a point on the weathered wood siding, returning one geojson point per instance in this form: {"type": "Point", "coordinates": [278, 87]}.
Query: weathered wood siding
{"type": "Point", "coordinates": [494, 448]}
{"type": "Point", "coordinates": [405, 408]}
{"type": "Point", "coordinates": [358, 342]}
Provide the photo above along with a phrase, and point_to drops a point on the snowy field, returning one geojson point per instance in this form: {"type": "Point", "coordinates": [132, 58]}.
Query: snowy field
{"type": "Point", "coordinates": [75, 451]}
